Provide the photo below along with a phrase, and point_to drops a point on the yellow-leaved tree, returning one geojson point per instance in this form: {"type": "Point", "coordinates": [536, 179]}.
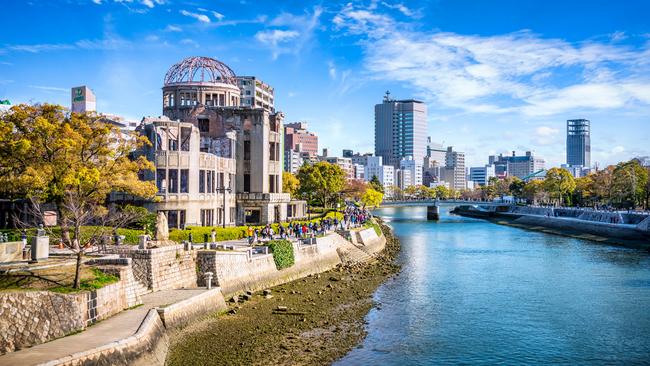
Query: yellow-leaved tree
{"type": "Point", "coordinates": [372, 198]}
{"type": "Point", "coordinates": [72, 161]}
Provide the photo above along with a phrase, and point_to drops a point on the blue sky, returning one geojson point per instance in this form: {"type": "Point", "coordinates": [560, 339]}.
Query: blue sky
{"type": "Point", "coordinates": [496, 75]}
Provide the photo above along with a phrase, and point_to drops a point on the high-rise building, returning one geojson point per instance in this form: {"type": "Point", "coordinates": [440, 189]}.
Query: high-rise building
{"type": "Point", "coordinates": [454, 170]}
{"type": "Point", "coordinates": [436, 154]}
{"type": "Point", "coordinates": [296, 133]}
{"type": "Point", "coordinates": [522, 167]}
{"type": "Point", "coordinates": [400, 130]}
{"type": "Point", "coordinates": [83, 99]}
{"type": "Point", "coordinates": [255, 93]}
{"type": "Point", "coordinates": [385, 173]}
{"type": "Point", "coordinates": [578, 142]}
{"type": "Point", "coordinates": [414, 169]}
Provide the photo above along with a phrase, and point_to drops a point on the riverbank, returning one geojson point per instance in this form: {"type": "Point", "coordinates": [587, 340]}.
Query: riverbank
{"type": "Point", "coordinates": [310, 321]}
{"type": "Point", "coordinates": [615, 228]}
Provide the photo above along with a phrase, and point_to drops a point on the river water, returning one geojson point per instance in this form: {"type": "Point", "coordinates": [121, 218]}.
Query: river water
{"type": "Point", "coordinates": [474, 292]}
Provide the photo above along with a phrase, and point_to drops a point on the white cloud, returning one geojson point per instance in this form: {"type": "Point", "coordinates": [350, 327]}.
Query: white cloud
{"type": "Point", "coordinates": [296, 33]}
{"type": "Point", "coordinates": [618, 36]}
{"type": "Point", "coordinates": [50, 88]}
{"type": "Point", "coordinates": [545, 135]}
{"type": "Point", "coordinates": [98, 2]}
{"type": "Point", "coordinates": [200, 17]}
{"type": "Point", "coordinates": [189, 42]}
{"type": "Point", "coordinates": [274, 38]}
{"type": "Point", "coordinates": [510, 73]}
{"type": "Point", "coordinates": [331, 69]}
{"type": "Point", "coordinates": [218, 15]}
{"type": "Point", "coordinates": [173, 28]}
{"type": "Point", "coordinates": [401, 8]}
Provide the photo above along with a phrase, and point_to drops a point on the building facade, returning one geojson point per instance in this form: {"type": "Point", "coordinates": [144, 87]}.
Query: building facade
{"type": "Point", "coordinates": [578, 142]}
{"type": "Point", "coordinates": [481, 175]}
{"type": "Point", "coordinates": [454, 170]}
{"type": "Point", "coordinates": [194, 187]}
{"type": "Point", "coordinates": [244, 145]}
{"type": "Point", "coordinates": [83, 99]}
{"type": "Point", "coordinates": [517, 166]}
{"type": "Point", "coordinates": [296, 134]}
{"type": "Point", "coordinates": [255, 93]}
{"type": "Point", "coordinates": [411, 169]}
{"type": "Point", "coordinates": [385, 173]}
{"type": "Point", "coordinates": [400, 130]}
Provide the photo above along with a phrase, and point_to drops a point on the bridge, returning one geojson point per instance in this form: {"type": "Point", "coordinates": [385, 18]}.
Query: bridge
{"type": "Point", "coordinates": [432, 202]}
{"type": "Point", "coordinates": [433, 206]}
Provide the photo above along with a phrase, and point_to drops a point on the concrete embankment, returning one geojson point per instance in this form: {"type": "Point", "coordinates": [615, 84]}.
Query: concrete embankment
{"type": "Point", "coordinates": [630, 229]}
{"type": "Point", "coordinates": [310, 321]}
{"type": "Point", "coordinates": [234, 272]}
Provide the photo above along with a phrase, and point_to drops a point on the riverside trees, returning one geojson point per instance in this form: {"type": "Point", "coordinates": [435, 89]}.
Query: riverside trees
{"type": "Point", "coordinates": [71, 161]}
{"type": "Point", "coordinates": [322, 181]}
{"type": "Point", "coordinates": [625, 185]}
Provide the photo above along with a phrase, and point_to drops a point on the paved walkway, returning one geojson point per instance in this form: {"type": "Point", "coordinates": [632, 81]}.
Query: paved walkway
{"type": "Point", "coordinates": [110, 330]}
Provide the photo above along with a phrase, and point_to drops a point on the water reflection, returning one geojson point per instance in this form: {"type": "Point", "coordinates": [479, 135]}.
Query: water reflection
{"type": "Point", "coordinates": [479, 293]}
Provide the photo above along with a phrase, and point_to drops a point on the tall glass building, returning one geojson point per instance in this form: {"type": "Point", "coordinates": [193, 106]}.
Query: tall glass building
{"type": "Point", "coordinates": [400, 130]}
{"type": "Point", "coordinates": [578, 142]}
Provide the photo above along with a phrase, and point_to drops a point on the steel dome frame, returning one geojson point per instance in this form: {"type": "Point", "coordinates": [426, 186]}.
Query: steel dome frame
{"type": "Point", "coordinates": [200, 70]}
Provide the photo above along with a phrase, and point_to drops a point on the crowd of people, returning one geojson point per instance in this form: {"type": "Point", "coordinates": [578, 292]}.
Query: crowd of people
{"type": "Point", "coordinates": [353, 217]}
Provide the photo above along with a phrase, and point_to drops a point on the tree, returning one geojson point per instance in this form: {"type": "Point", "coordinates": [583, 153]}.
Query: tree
{"type": "Point", "coordinates": [355, 188]}
{"type": "Point", "coordinates": [395, 192]}
{"type": "Point", "coordinates": [290, 184]}
{"type": "Point", "coordinates": [72, 161]}
{"type": "Point", "coordinates": [559, 183]}
{"type": "Point", "coordinates": [442, 192]}
{"type": "Point", "coordinates": [629, 183]}
{"type": "Point", "coordinates": [533, 191]}
{"type": "Point", "coordinates": [323, 180]}
{"type": "Point", "coordinates": [602, 185]}
{"type": "Point", "coordinates": [584, 190]}
{"type": "Point", "coordinates": [376, 184]}
{"type": "Point", "coordinates": [372, 198]}
{"type": "Point", "coordinates": [516, 187]}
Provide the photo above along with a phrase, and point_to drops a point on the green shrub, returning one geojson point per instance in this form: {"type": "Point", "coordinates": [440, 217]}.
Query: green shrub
{"type": "Point", "coordinates": [282, 253]}
{"type": "Point", "coordinates": [199, 232]}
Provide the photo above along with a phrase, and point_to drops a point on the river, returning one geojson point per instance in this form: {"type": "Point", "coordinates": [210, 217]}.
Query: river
{"type": "Point", "coordinates": [474, 292]}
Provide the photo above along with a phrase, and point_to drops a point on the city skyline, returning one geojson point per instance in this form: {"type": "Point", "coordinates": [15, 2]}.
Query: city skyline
{"type": "Point", "coordinates": [492, 83]}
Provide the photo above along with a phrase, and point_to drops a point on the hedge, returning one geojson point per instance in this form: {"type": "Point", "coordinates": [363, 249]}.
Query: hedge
{"type": "Point", "coordinates": [130, 235]}
{"type": "Point", "coordinates": [282, 253]}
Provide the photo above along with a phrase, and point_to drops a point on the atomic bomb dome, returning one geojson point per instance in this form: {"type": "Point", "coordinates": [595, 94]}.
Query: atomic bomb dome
{"type": "Point", "coordinates": [198, 82]}
{"type": "Point", "coordinates": [200, 70]}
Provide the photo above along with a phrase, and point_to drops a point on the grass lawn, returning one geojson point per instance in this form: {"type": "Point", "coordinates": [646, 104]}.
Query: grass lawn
{"type": "Point", "coordinates": [58, 279]}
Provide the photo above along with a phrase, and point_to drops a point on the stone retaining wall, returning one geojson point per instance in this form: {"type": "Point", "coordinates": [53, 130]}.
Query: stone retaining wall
{"type": "Point", "coordinates": [165, 268]}
{"type": "Point", "coordinates": [33, 317]}
{"type": "Point", "coordinates": [181, 313]}
{"type": "Point", "coordinates": [28, 318]}
{"type": "Point", "coordinates": [238, 271]}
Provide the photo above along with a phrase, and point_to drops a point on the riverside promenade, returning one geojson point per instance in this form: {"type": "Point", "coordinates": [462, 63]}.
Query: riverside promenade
{"type": "Point", "coordinates": [160, 289]}
{"type": "Point", "coordinates": [111, 330]}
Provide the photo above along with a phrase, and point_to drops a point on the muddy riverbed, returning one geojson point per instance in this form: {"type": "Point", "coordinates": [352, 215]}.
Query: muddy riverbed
{"type": "Point", "coordinates": [310, 321]}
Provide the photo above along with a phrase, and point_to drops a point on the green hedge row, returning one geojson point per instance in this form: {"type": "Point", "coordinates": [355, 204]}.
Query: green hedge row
{"type": "Point", "coordinates": [198, 232]}
{"type": "Point", "coordinates": [130, 235]}
{"type": "Point", "coordinates": [282, 253]}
